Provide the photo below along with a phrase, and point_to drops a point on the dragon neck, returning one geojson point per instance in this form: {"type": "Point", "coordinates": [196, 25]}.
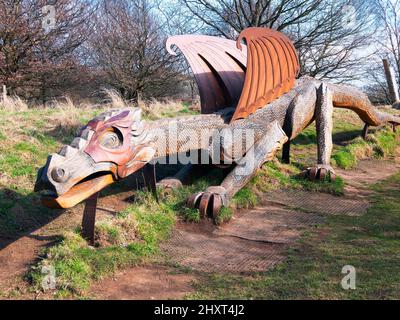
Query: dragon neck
{"type": "Point", "coordinates": [182, 134]}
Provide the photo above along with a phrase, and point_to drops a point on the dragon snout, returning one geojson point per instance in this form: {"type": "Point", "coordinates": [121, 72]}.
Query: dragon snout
{"type": "Point", "coordinates": [59, 175]}
{"type": "Point", "coordinates": [101, 154]}
{"type": "Point", "coordinates": [70, 180]}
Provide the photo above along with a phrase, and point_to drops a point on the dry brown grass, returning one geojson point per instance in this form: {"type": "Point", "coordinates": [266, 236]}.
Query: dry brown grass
{"type": "Point", "coordinates": [114, 99]}
{"type": "Point", "coordinates": [154, 108]}
{"type": "Point", "coordinates": [13, 103]}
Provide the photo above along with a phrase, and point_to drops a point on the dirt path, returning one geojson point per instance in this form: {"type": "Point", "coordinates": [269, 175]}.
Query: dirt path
{"type": "Point", "coordinates": [144, 283]}
{"type": "Point", "coordinates": [254, 241]}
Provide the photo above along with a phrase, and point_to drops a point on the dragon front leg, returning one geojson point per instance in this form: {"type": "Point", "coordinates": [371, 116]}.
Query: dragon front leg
{"type": "Point", "coordinates": [214, 198]}
{"type": "Point", "coordinates": [324, 126]}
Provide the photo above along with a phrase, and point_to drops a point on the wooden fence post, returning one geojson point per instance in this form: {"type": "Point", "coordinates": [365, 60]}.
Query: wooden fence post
{"type": "Point", "coordinates": [391, 81]}
{"type": "Point", "coordinates": [4, 93]}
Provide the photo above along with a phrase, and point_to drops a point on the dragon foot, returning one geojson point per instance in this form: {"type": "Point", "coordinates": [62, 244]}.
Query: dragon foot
{"type": "Point", "coordinates": [208, 202]}
{"type": "Point", "coordinates": [319, 172]}
{"type": "Point", "coordinates": [167, 185]}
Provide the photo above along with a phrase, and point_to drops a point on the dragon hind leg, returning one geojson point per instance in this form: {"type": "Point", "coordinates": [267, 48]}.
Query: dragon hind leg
{"type": "Point", "coordinates": [324, 125]}
{"type": "Point", "coordinates": [214, 198]}
{"type": "Point", "coordinates": [183, 177]}
{"type": "Point", "coordinates": [178, 180]}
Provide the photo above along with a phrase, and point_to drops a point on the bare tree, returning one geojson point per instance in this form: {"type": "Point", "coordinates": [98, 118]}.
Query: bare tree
{"type": "Point", "coordinates": [329, 35]}
{"type": "Point", "coordinates": [387, 44]}
{"type": "Point", "coordinates": [128, 45]}
{"type": "Point", "coordinates": [38, 39]}
{"type": "Point", "coordinates": [389, 17]}
{"type": "Point", "coordinates": [376, 87]}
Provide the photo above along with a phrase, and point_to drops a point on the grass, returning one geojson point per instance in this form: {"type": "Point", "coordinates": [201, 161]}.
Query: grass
{"type": "Point", "coordinates": [245, 198]}
{"type": "Point", "coordinates": [313, 268]}
{"type": "Point", "coordinates": [224, 216]}
{"type": "Point", "coordinates": [380, 144]}
{"type": "Point", "coordinates": [276, 175]}
{"type": "Point", "coordinates": [154, 110]}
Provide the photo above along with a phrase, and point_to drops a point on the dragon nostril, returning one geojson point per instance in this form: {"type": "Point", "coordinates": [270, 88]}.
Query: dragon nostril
{"type": "Point", "coordinates": [59, 175]}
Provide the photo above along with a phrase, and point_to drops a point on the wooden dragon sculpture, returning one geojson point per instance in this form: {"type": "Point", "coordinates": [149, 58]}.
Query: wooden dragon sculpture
{"type": "Point", "coordinates": [249, 89]}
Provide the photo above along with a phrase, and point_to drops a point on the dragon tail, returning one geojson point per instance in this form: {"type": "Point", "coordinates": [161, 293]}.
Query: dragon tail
{"type": "Point", "coordinates": [357, 101]}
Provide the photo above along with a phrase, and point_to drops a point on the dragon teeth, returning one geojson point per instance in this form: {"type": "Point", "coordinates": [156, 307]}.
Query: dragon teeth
{"type": "Point", "coordinates": [87, 134]}
{"type": "Point", "coordinates": [56, 158]}
{"type": "Point", "coordinates": [68, 151]}
{"type": "Point", "coordinates": [79, 143]}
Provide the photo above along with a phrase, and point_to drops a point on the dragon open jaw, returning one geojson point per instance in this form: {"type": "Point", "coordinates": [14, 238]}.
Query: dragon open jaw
{"type": "Point", "coordinates": [65, 185]}
{"type": "Point", "coordinates": [56, 196]}
{"type": "Point", "coordinates": [78, 192]}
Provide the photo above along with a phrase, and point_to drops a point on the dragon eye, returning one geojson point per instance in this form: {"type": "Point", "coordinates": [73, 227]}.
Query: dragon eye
{"type": "Point", "coordinates": [111, 139]}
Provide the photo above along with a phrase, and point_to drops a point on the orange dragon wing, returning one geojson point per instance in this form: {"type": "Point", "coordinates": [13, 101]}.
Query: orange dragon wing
{"type": "Point", "coordinates": [218, 66]}
{"type": "Point", "coordinates": [229, 74]}
{"type": "Point", "coordinates": [272, 67]}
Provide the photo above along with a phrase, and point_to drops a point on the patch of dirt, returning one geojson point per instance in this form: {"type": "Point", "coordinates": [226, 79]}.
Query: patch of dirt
{"type": "Point", "coordinates": [317, 202]}
{"type": "Point", "coordinates": [144, 283]}
{"type": "Point", "coordinates": [255, 240]}
{"type": "Point", "coordinates": [16, 258]}
{"type": "Point", "coordinates": [367, 173]}
{"type": "Point", "coordinates": [270, 224]}
{"type": "Point", "coordinates": [221, 254]}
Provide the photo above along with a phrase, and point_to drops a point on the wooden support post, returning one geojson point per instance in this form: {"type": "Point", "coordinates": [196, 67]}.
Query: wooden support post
{"type": "Point", "coordinates": [150, 179]}
{"type": "Point", "coordinates": [286, 153]}
{"type": "Point", "coordinates": [365, 131]}
{"type": "Point", "coordinates": [89, 218]}
{"type": "Point", "coordinates": [391, 81]}
{"type": "Point", "coordinates": [4, 93]}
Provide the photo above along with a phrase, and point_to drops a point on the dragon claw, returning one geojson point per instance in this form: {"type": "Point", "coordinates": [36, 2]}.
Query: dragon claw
{"type": "Point", "coordinates": [209, 203]}
{"type": "Point", "coordinates": [204, 204]}
{"type": "Point", "coordinates": [193, 201]}
{"type": "Point", "coordinates": [320, 172]}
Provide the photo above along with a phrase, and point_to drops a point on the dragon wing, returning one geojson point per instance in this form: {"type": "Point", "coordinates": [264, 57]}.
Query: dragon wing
{"type": "Point", "coordinates": [272, 67]}
{"type": "Point", "coordinates": [218, 66]}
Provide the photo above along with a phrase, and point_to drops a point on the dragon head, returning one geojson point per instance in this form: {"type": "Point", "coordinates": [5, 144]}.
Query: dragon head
{"type": "Point", "coordinates": [110, 147]}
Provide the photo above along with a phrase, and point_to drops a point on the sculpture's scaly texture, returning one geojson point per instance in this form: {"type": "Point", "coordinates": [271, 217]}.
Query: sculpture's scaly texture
{"type": "Point", "coordinates": [118, 143]}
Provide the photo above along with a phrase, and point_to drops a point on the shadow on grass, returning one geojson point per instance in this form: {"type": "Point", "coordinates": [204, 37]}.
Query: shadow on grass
{"type": "Point", "coordinates": [339, 138]}
{"type": "Point", "coordinates": [344, 137]}
{"type": "Point", "coordinates": [21, 215]}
